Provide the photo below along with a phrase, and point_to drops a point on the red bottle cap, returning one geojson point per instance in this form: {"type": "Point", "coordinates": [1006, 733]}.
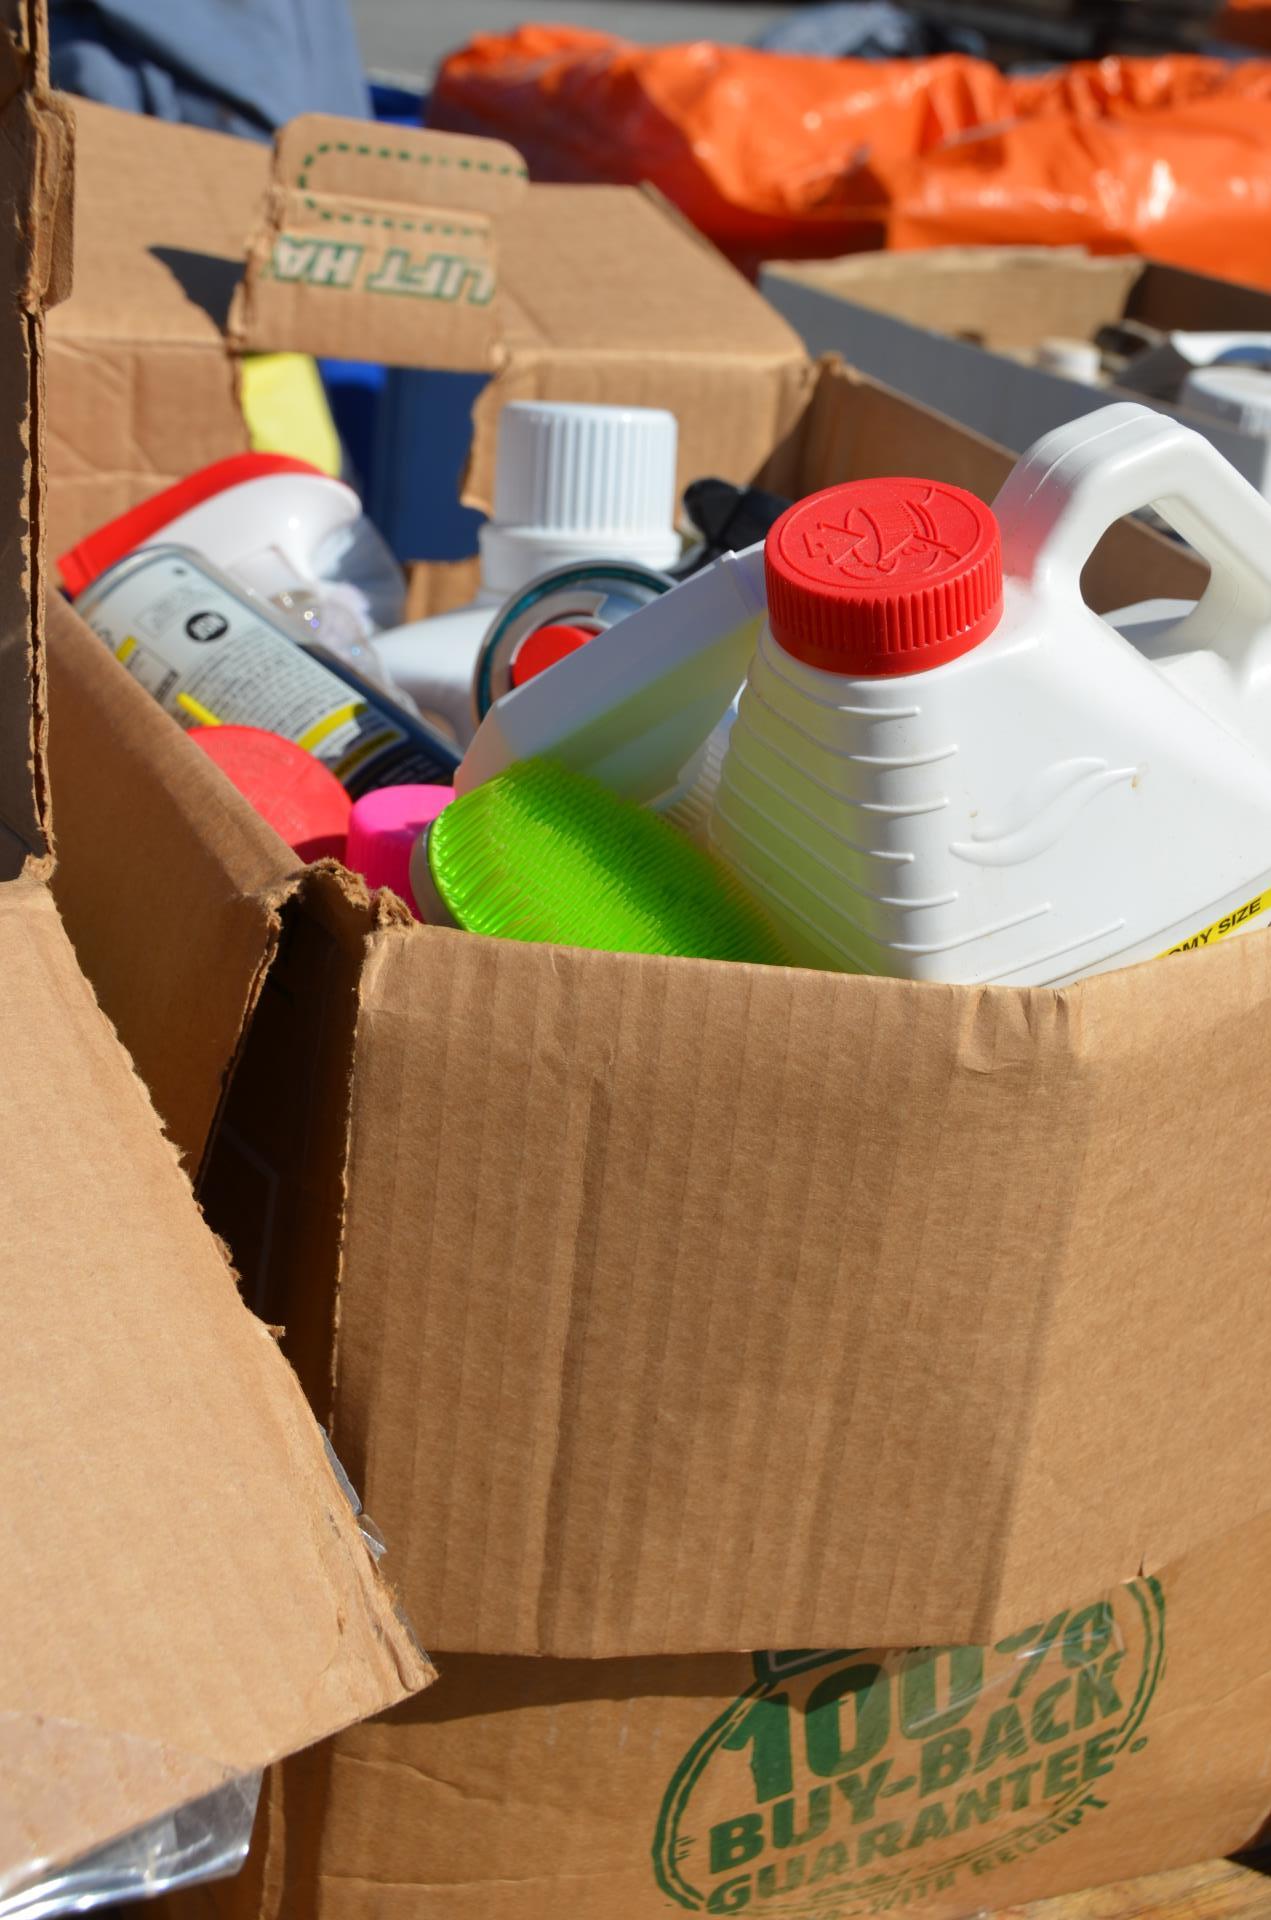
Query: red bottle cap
{"type": "Point", "coordinates": [544, 647]}
{"type": "Point", "coordinates": [883, 576]}
{"type": "Point", "coordinates": [80, 565]}
{"type": "Point", "coordinates": [299, 797]}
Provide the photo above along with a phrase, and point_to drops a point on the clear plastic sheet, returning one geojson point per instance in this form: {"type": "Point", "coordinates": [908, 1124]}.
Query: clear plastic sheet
{"type": "Point", "coordinates": [206, 1839]}
{"type": "Point", "coordinates": [203, 1840]}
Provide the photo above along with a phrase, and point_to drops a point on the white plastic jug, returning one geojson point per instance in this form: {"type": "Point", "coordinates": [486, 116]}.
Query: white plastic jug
{"type": "Point", "coordinates": [946, 767]}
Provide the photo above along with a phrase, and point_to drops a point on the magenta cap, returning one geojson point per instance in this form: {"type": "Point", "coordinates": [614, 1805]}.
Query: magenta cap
{"type": "Point", "coordinates": [384, 826]}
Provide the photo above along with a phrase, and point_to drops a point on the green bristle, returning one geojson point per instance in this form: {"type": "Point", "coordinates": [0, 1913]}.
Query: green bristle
{"type": "Point", "coordinates": [540, 853]}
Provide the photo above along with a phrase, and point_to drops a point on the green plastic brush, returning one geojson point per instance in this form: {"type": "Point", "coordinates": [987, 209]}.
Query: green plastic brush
{"type": "Point", "coordinates": [540, 853]}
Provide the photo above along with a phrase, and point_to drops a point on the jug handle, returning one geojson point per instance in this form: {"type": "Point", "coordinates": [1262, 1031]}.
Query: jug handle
{"type": "Point", "coordinates": [1075, 482]}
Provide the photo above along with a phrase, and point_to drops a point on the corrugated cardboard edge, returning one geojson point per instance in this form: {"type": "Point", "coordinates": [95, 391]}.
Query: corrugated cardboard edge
{"type": "Point", "coordinates": [37, 164]}
{"type": "Point", "coordinates": [404, 217]}
{"type": "Point", "coordinates": [48, 282]}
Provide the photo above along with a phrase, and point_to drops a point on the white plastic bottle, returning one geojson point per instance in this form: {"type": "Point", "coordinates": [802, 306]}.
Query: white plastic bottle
{"type": "Point", "coordinates": [572, 483]}
{"type": "Point", "coordinates": [277, 525]}
{"type": "Point", "coordinates": [946, 767]}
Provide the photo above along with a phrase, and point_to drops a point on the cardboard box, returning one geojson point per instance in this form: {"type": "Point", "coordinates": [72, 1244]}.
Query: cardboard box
{"type": "Point", "coordinates": [668, 1308]}
{"type": "Point", "coordinates": [941, 325]}
{"type": "Point", "coordinates": [185, 1588]}
{"type": "Point", "coordinates": [811, 1309]}
{"type": "Point", "coordinates": [398, 245]}
{"type": "Point", "coordinates": [1097, 1743]}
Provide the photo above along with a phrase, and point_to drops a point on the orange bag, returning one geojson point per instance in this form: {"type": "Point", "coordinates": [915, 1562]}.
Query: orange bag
{"type": "Point", "coordinates": [781, 155]}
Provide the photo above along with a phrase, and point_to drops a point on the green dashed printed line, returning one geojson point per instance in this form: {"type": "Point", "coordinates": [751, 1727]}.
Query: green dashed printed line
{"type": "Point", "coordinates": [501, 169]}
{"type": "Point", "coordinates": [402, 226]}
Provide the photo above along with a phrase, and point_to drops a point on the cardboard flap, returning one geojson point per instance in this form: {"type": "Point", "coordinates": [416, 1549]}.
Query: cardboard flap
{"type": "Point", "coordinates": [650, 1377]}
{"type": "Point", "coordinates": [183, 1578]}
{"type": "Point", "coordinates": [998, 296]}
{"type": "Point", "coordinates": [697, 1306]}
{"type": "Point", "coordinates": [163, 214]}
{"type": "Point", "coordinates": [407, 221]}
{"type": "Point", "coordinates": [176, 938]}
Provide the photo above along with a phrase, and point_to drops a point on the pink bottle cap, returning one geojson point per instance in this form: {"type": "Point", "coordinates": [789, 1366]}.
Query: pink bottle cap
{"type": "Point", "coordinates": [299, 797]}
{"type": "Point", "coordinates": [384, 826]}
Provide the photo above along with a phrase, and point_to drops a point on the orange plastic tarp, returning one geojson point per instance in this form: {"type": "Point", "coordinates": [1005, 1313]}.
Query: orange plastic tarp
{"type": "Point", "coordinates": [777, 154]}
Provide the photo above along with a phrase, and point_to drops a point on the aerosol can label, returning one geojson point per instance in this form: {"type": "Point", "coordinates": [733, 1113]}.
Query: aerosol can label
{"type": "Point", "coordinates": [211, 657]}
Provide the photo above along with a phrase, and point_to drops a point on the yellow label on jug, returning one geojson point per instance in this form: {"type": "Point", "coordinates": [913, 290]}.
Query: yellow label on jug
{"type": "Point", "coordinates": [1230, 923]}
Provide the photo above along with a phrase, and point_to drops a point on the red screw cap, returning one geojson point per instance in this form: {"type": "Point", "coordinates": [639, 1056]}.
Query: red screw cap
{"type": "Point", "coordinates": [883, 576]}
{"type": "Point", "coordinates": [544, 647]}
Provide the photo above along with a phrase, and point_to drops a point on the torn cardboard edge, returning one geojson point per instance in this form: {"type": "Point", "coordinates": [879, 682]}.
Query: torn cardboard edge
{"type": "Point", "coordinates": [37, 161]}
{"type": "Point", "coordinates": [39, 155]}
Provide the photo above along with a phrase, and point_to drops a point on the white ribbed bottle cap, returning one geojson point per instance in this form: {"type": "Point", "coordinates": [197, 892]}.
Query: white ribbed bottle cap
{"type": "Point", "coordinates": [1239, 395]}
{"type": "Point", "coordinates": [577, 482]}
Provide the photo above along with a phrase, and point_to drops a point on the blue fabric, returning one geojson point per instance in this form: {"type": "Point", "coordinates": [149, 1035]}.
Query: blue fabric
{"type": "Point", "coordinates": [867, 30]}
{"type": "Point", "coordinates": [398, 106]}
{"type": "Point", "coordinates": [237, 66]}
{"type": "Point", "coordinates": [421, 447]}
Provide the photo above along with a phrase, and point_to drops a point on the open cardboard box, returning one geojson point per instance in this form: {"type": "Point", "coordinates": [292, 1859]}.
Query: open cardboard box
{"type": "Point", "coordinates": [187, 1593]}
{"type": "Point", "coordinates": [739, 1232]}
{"type": "Point", "coordinates": [394, 244]}
{"type": "Point", "coordinates": [944, 326]}
{"type": "Point", "coordinates": [664, 1308]}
